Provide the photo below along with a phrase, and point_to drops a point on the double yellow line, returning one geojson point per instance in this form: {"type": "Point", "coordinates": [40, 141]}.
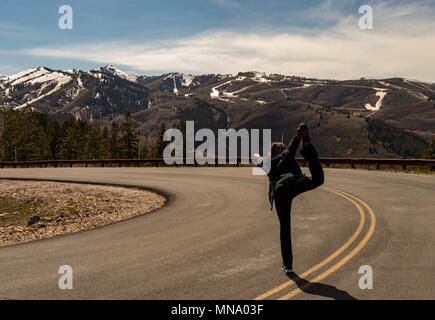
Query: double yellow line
{"type": "Point", "coordinates": [357, 203]}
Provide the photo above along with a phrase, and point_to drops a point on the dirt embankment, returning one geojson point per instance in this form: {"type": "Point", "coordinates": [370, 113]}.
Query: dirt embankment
{"type": "Point", "coordinates": [31, 210]}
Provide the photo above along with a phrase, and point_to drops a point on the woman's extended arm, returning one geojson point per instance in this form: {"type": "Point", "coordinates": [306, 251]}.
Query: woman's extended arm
{"type": "Point", "coordinates": [292, 147]}
{"type": "Point", "coordinates": [301, 133]}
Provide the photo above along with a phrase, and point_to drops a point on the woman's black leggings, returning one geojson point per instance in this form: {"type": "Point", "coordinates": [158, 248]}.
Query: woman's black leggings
{"type": "Point", "coordinates": [284, 194]}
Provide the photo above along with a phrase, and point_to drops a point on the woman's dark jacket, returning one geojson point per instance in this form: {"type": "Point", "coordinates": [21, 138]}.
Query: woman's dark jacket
{"type": "Point", "coordinates": [283, 167]}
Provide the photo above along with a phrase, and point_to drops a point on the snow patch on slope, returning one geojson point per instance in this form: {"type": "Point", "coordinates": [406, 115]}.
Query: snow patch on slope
{"type": "Point", "coordinates": [46, 77]}
{"type": "Point", "coordinates": [34, 76]}
{"type": "Point", "coordinates": [413, 93]}
{"type": "Point", "coordinates": [419, 85]}
{"type": "Point", "coordinates": [21, 74]}
{"type": "Point", "coordinates": [215, 94]}
{"type": "Point", "coordinates": [381, 93]}
{"type": "Point", "coordinates": [187, 80]}
{"type": "Point", "coordinates": [261, 77]}
{"type": "Point", "coordinates": [60, 83]}
{"type": "Point", "coordinates": [175, 85]}
{"type": "Point", "coordinates": [79, 81]}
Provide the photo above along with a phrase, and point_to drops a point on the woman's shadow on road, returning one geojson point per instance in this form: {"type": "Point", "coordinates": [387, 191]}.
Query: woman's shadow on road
{"type": "Point", "coordinates": [319, 289]}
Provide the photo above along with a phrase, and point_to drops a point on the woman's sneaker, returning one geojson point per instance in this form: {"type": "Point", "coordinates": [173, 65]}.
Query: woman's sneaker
{"type": "Point", "coordinates": [287, 269]}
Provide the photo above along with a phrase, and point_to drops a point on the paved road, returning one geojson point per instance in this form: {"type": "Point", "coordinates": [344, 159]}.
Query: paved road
{"type": "Point", "coordinates": [217, 239]}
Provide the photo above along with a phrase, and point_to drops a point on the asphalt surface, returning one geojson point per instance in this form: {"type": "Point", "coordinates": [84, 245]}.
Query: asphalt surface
{"type": "Point", "coordinates": [217, 239]}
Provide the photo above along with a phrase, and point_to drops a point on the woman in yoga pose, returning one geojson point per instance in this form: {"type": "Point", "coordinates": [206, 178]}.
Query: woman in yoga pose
{"type": "Point", "coordinates": [286, 181]}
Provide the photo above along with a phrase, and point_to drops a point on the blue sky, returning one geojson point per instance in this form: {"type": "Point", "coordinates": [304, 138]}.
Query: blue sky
{"type": "Point", "coordinates": [318, 38]}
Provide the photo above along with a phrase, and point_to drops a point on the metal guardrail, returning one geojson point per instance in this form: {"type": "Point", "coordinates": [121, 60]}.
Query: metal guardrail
{"type": "Point", "coordinates": [378, 162]}
{"type": "Point", "coordinates": [404, 163]}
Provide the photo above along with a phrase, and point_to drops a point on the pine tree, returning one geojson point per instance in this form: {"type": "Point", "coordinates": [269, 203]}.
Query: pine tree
{"type": "Point", "coordinates": [73, 144]}
{"type": "Point", "coordinates": [53, 133]}
{"type": "Point", "coordinates": [129, 138]}
{"type": "Point", "coordinates": [2, 125]}
{"type": "Point", "coordinates": [430, 152]}
{"type": "Point", "coordinates": [106, 143]}
{"type": "Point", "coordinates": [34, 143]}
{"type": "Point", "coordinates": [12, 135]}
{"type": "Point", "coordinates": [160, 143]}
{"type": "Point", "coordinates": [95, 142]}
{"type": "Point", "coordinates": [183, 131]}
{"type": "Point", "coordinates": [114, 141]}
{"type": "Point", "coordinates": [68, 145]}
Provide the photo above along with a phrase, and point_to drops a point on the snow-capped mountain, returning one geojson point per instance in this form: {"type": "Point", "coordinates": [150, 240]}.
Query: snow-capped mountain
{"type": "Point", "coordinates": [32, 86]}
{"type": "Point", "coordinates": [114, 71]}
{"type": "Point", "coordinates": [244, 100]}
{"type": "Point", "coordinates": [33, 76]}
{"type": "Point", "coordinates": [177, 83]}
{"type": "Point", "coordinates": [41, 82]}
{"type": "Point", "coordinates": [86, 95]}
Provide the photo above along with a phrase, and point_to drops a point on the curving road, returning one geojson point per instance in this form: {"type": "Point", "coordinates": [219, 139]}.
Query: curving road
{"type": "Point", "coordinates": [217, 239]}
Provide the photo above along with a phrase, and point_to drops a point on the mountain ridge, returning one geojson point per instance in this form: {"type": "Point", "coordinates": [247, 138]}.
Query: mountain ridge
{"type": "Point", "coordinates": [249, 99]}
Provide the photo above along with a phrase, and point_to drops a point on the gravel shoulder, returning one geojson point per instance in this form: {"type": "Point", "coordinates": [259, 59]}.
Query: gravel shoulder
{"type": "Point", "coordinates": [32, 210]}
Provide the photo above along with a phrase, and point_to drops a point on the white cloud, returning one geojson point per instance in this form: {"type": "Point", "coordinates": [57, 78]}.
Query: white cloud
{"type": "Point", "coordinates": [8, 29]}
{"type": "Point", "coordinates": [227, 3]}
{"type": "Point", "coordinates": [402, 44]}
